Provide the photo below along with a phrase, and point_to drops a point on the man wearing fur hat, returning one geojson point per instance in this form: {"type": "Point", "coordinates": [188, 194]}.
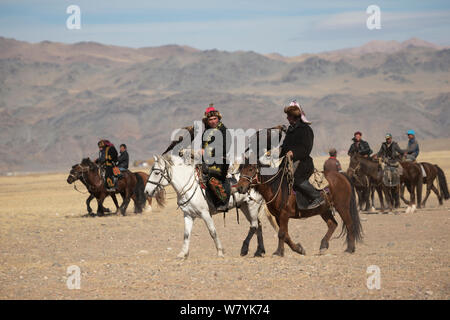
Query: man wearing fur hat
{"type": "Point", "coordinates": [108, 159]}
{"type": "Point", "coordinates": [214, 153]}
{"type": "Point", "coordinates": [298, 144]}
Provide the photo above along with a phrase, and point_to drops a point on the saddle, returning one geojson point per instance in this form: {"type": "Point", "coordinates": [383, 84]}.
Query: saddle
{"type": "Point", "coordinates": [391, 175]}
{"type": "Point", "coordinates": [213, 186]}
{"type": "Point", "coordinates": [303, 202]}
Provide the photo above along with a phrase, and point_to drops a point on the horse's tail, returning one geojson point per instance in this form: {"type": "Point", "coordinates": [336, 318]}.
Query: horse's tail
{"type": "Point", "coordinates": [354, 214]}
{"type": "Point", "coordinates": [139, 192]}
{"type": "Point", "coordinates": [271, 218]}
{"type": "Point", "coordinates": [442, 182]}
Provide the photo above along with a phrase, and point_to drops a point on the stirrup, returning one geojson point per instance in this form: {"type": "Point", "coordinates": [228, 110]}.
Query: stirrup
{"type": "Point", "coordinates": [223, 207]}
{"type": "Point", "coordinates": [316, 203]}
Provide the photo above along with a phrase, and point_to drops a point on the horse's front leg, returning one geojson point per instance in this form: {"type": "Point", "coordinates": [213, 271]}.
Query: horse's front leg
{"type": "Point", "coordinates": [245, 244]}
{"type": "Point", "coordinates": [212, 231]}
{"type": "Point", "coordinates": [188, 224]}
{"type": "Point", "coordinates": [283, 236]}
{"type": "Point", "coordinates": [260, 251]}
{"type": "Point", "coordinates": [100, 208]}
{"type": "Point", "coordinates": [88, 201]}
{"type": "Point", "coordinates": [114, 198]}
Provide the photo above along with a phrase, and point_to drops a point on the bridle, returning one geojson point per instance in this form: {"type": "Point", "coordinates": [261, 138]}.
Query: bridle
{"type": "Point", "coordinates": [165, 174]}
{"type": "Point", "coordinates": [258, 183]}
{"type": "Point", "coordinates": [83, 179]}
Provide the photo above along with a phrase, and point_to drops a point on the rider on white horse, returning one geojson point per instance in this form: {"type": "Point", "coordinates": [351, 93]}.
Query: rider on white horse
{"type": "Point", "coordinates": [171, 169]}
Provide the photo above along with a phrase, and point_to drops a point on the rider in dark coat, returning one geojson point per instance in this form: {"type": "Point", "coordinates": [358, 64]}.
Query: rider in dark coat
{"type": "Point", "coordinates": [215, 162]}
{"type": "Point", "coordinates": [360, 146]}
{"type": "Point", "coordinates": [390, 150]}
{"type": "Point", "coordinates": [124, 159]}
{"type": "Point", "coordinates": [298, 143]}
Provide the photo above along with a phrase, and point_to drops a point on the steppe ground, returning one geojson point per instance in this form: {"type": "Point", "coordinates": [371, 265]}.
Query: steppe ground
{"type": "Point", "coordinates": [43, 232]}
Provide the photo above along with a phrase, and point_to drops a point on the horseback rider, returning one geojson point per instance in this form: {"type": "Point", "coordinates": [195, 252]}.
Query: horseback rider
{"type": "Point", "coordinates": [412, 151]}
{"type": "Point", "coordinates": [360, 146]}
{"type": "Point", "coordinates": [214, 155]}
{"type": "Point", "coordinates": [298, 144]}
{"type": "Point", "coordinates": [390, 151]}
{"type": "Point", "coordinates": [332, 163]}
{"type": "Point", "coordinates": [108, 159]}
{"type": "Point", "coordinates": [123, 159]}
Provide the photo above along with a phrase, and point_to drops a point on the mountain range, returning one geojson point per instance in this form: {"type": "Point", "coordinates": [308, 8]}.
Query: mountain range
{"type": "Point", "coordinates": [57, 100]}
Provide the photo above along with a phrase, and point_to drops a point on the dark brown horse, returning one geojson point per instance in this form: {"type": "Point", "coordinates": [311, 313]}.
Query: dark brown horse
{"type": "Point", "coordinates": [281, 203]}
{"type": "Point", "coordinates": [433, 171]}
{"type": "Point", "coordinates": [362, 166]}
{"type": "Point", "coordinates": [412, 179]}
{"type": "Point", "coordinates": [130, 185]}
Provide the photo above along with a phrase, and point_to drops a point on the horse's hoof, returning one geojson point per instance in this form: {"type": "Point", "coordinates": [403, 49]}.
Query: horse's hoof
{"type": "Point", "coordinates": [350, 251]}
{"type": "Point", "coordinates": [259, 254]}
{"type": "Point", "coordinates": [106, 210]}
{"type": "Point", "coordinates": [182, 256]}
{"type": "Point", "coordinates": [322, 251]}
{"type": "Point", "coordinates": [220, 254]}
{"type": "Point", "coordinates": [278, 254]}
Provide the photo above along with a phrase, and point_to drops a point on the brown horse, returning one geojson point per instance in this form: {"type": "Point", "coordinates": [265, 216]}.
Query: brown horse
{"type": "Point", "coordinates": [281, 203]}
{"type": "Point", "coordinates": [433, 171]}
{"type": "Point", "coordinates": [130, 185]}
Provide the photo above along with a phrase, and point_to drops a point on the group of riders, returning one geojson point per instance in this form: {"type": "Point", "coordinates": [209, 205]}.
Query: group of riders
{"type": "Point", "coordinates": [390, 152]}
{"type": "Point", "coordinates": [297, 145]}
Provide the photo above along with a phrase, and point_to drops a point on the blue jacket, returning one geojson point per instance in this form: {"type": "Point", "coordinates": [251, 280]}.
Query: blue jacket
{"type": "Point", "coordinates": [413, 147]}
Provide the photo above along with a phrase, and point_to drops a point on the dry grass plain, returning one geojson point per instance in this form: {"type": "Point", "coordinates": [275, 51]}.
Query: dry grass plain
{"type": "Point", "coordinates": [43, 232]}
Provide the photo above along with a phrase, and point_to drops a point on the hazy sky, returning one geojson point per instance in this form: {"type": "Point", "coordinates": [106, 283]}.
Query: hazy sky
{"type": "Point", "coordinates": [289, 27]}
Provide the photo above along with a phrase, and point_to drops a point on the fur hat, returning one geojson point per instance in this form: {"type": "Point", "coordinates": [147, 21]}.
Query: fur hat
{"type": "Point", "coordinates": [295, 110]}
{"type": "Point", "coordinates": [211, 112]}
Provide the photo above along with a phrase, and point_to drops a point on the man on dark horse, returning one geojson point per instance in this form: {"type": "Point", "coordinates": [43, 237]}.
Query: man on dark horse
{"type": "Point", "coordinates": [298, 144]}
{"type": "Point", "coordinates": [391, 154]}
{"type": "Point", "coordinates": [412, 151]}
{"type": "Point", "coordinates": [332, 163]}
{"type": "Point", "coordinates": [108, 159]}
{"type": "Point", "coordinates": [390, 151]}
{"type": "Point", "coordinates": [359, 146]}
{"type": "Point", "coordinates": [214, 155]}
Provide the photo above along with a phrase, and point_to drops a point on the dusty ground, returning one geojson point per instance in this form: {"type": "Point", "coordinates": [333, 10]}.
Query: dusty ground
{"type": "Point", "coordinates": [42, 233]}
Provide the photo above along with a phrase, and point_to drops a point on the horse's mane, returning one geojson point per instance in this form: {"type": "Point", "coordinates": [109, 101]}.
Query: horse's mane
{"type": "Point", "coordinates": [89, 163]}
{"type": "Point", "coordinates": [275, 183]}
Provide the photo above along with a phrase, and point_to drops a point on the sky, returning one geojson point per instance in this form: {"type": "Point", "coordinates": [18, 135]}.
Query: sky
{"type": "Point", "coordinates": [287, 27]}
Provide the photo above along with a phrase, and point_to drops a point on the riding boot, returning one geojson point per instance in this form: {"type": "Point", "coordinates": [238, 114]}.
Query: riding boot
{"type": "Point", "coordinates": [310, 192]}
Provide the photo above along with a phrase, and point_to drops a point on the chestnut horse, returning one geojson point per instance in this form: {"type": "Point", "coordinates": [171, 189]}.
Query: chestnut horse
{"type": "Point", "coordinates": [281, 203]}
{"type": "Point", "coordinates": [433, 171]}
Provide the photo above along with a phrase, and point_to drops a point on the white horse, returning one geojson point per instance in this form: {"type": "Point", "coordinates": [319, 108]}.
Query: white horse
{"type": "Point", "coordinates": [171, 169]}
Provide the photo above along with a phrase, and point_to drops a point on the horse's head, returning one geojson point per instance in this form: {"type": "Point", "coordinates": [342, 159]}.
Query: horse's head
{"type": "Point", "coordinates": [75, 173]}
{"type": "Point", "coordinates": [80, 169]}
{"type": "Point", "coordinates": [248, 175]}
{"type": "Point", "coordinates": [159, 176]}
{"type": "Point", "coordinates": [354, 164]}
